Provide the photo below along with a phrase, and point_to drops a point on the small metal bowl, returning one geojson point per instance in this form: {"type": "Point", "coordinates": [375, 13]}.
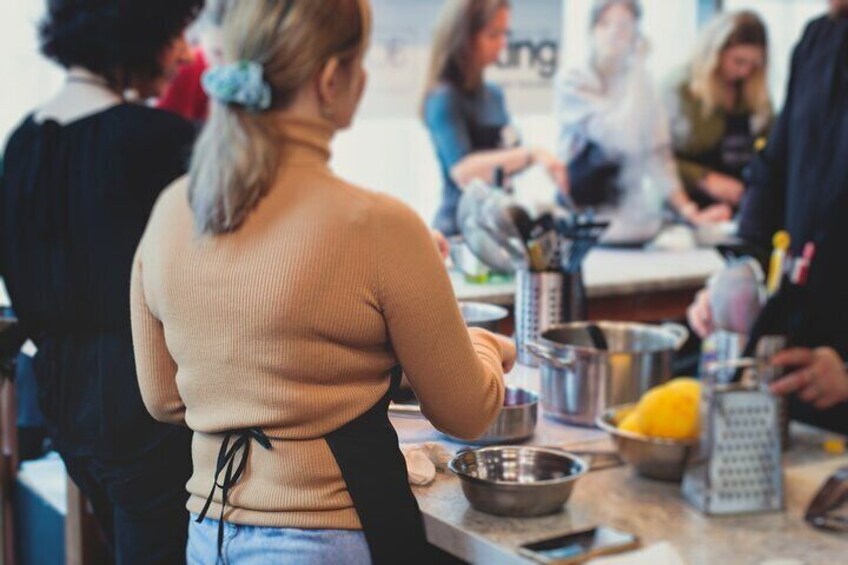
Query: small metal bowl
{"type": "Point", "coordinates": [516, 421]}
{"type": "Point", "coordinates": [655, 458]}
{"type": "Point", "coordinates": [517, 481]}
{"type": "Point", "coordinates": [482, 315]}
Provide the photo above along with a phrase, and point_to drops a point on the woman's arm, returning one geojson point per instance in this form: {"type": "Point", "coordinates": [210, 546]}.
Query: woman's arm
{"type": "Point", "coordinates": [156, 370]}
{"type": "Point", "coordinates": [447, 128]}
{"type": "Point", "coordinates": [482, 164]}
{"type": "Point", "coordinates": [456, 373]}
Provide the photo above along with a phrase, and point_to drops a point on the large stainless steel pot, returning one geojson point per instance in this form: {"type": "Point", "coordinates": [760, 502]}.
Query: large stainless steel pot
{"type": "Point", "coordinates": [581, 378]}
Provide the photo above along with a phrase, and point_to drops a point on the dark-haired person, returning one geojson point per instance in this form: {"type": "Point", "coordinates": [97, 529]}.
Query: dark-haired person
{"type": "Point", "coordinates": [799, 183]}
{"type": "Point", "coordinates": [466, 116]}
{"type": "Point", "coordinates": [82, 173]}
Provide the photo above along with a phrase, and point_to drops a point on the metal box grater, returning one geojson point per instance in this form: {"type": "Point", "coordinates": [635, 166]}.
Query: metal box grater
{"type": "Point", "coordinates": [737, 468]}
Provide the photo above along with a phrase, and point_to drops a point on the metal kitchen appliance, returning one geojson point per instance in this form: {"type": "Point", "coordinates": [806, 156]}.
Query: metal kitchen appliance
{"type": "Point", "coordinates": [584, 373]}
{"type": "Point", "coordinates": [737, 465]}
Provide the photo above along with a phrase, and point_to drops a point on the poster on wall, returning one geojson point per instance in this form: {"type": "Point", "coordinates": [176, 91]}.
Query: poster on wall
{"type": "Point", "coordinates": [398, 59]}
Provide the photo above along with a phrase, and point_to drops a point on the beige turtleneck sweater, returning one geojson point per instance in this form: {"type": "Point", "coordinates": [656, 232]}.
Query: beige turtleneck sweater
{"type": "Point", "coordinates": [293, 324]}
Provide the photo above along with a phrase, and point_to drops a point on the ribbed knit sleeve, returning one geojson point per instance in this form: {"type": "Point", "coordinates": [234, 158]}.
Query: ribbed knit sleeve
{"type": "Point", "coordinates": [455, 373]}
{"type": "Point", "coordinates": [156, 370]}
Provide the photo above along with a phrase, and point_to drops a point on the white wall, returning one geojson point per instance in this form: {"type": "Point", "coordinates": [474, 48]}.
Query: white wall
{"type": "Point", "coordinates": [28, 79]}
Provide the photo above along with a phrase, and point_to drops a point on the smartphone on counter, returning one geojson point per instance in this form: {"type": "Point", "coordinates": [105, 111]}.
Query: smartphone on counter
{"type": "Point", "coordinates": [578, 547]}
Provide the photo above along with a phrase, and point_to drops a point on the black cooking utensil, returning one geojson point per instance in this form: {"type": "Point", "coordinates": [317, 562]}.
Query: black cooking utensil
{"type": "Point", "coordinates": [522, 221]}
{"type": "Point", "coordinates": [599, 339]}
{"type": "Point", "coordinates": [833, 496]}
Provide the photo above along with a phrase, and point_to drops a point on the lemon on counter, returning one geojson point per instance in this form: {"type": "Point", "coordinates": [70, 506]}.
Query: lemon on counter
{"type": "Point", "coordinates": [686, 385]}
{"type": "Point", "coordinates": [670, 411]}
{"type": "Point", "coordinates": [631, 423]}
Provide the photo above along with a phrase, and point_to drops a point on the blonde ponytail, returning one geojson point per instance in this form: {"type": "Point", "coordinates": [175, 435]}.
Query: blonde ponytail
{"type": "Point", "coordinates": [237, 156]}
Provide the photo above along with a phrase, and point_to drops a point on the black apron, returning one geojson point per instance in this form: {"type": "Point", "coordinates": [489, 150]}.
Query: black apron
{"type": "Point", "coordinates": [367, 453]}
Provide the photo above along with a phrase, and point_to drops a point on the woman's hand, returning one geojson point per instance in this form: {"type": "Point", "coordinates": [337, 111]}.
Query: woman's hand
{"type": "Point", "coordinates": [442, 243]}
{"type": "Point", "coordinates": [714, 214]}
{"type": "Point", "coordinates": [724, 188]}
{"type": "Point", "coordinates": [557, 170]}
{"type": "Point", "coordinates": [700, 315]}
{"type": "Point", "coordinates": [508, 352]}
{"type": "Point", "coordinates": [819, 376]}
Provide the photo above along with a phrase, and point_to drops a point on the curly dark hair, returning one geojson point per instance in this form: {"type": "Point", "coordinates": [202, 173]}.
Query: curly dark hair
{"type": "Point", "coordinates": [120, 40]}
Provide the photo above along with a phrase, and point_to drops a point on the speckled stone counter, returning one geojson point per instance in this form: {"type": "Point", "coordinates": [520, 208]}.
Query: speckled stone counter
{"type": "Point", "coordinates": [654, 511]}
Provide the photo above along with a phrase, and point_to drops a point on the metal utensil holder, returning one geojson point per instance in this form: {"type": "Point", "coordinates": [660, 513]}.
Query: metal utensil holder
{"type": "Point", "coordinates": [543, 300]}
{"type": "Point", "coordinates": [737, 466]}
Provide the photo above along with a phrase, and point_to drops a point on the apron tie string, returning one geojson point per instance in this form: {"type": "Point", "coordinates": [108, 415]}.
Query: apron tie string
{"type": "Point", "coordinates": [232, 471]}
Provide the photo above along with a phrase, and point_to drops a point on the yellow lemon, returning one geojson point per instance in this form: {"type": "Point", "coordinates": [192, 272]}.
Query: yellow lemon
{"type": "Point", "coordinates": [686, 385]}
{"type": "Point", "coordinates": [670, 412]}
{"type": "Point", "coordinates": [630, 423]}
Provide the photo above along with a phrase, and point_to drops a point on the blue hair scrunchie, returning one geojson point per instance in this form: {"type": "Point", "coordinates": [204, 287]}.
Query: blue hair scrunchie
{"type": "Point", "coordinates": [240, 84]}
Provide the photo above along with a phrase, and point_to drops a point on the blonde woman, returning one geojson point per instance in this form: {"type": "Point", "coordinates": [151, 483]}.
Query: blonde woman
{"type": "Point", "coordinates": [273, 305]}
{"type": "Point", "coordinates": [720, 106]}
{"type": "Point", "coordinates": [614, 131]}
{"type": "Point", "coordinates": [466, 116]}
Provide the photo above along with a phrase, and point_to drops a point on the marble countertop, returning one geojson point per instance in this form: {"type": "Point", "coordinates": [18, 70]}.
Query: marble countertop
{"type": "Point", "coordinates": [617, 497]}
{"type": "Point", "coordinates": [617, 272]}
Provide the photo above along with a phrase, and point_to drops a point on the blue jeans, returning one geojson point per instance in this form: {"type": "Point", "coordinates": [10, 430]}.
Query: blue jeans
{"type": "Point", "coordinates": [254, 545]}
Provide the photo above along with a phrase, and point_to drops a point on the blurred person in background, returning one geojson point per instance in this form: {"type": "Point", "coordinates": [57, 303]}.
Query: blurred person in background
{"type": "Point", "coordinates": [274, 304]}
{"type": "Point", "coordinates": [184, 95]}
{"type": "Point", "coordinates": [799, 183]}
{"type": "Point", "coordinates": [81, 175]}
{"type": "Point", "coordinates": [614, 132]}
{"type": "Point", "coordinates": [466, 116]}
{"type": "Point", "coordinates": [719, 107]}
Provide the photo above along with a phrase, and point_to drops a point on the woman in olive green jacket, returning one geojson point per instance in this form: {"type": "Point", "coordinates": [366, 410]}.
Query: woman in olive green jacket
{"type": "Point", "coordinates": [720, 107]}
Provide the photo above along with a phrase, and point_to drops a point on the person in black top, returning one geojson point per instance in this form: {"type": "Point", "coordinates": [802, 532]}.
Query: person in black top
{"type": "Point", "coordinates": [800, 183]}
{"type": "Point", "coordinates": [81, 176]}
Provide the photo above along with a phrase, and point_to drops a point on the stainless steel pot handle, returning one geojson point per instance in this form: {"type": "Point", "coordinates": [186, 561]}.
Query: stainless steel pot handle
{"type": "Point", "coordinates": [549, 355]}
{"type": "Point", "coordinates": [679, 333]}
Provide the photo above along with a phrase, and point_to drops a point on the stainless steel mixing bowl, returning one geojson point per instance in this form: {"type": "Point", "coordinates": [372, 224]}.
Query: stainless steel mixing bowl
{"type": "Point", "coordinates": [516, 421]}
{"type": "Point", "coordinates": [517, 481]}
{"type": "Point", "coordinates": [481, 315]}
{"type": "Point", "coordinates": [655, 458]}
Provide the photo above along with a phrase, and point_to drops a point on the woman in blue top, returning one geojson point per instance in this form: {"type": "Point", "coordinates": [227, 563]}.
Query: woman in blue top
{"type": "Point", "coordinates": [467, 117]}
